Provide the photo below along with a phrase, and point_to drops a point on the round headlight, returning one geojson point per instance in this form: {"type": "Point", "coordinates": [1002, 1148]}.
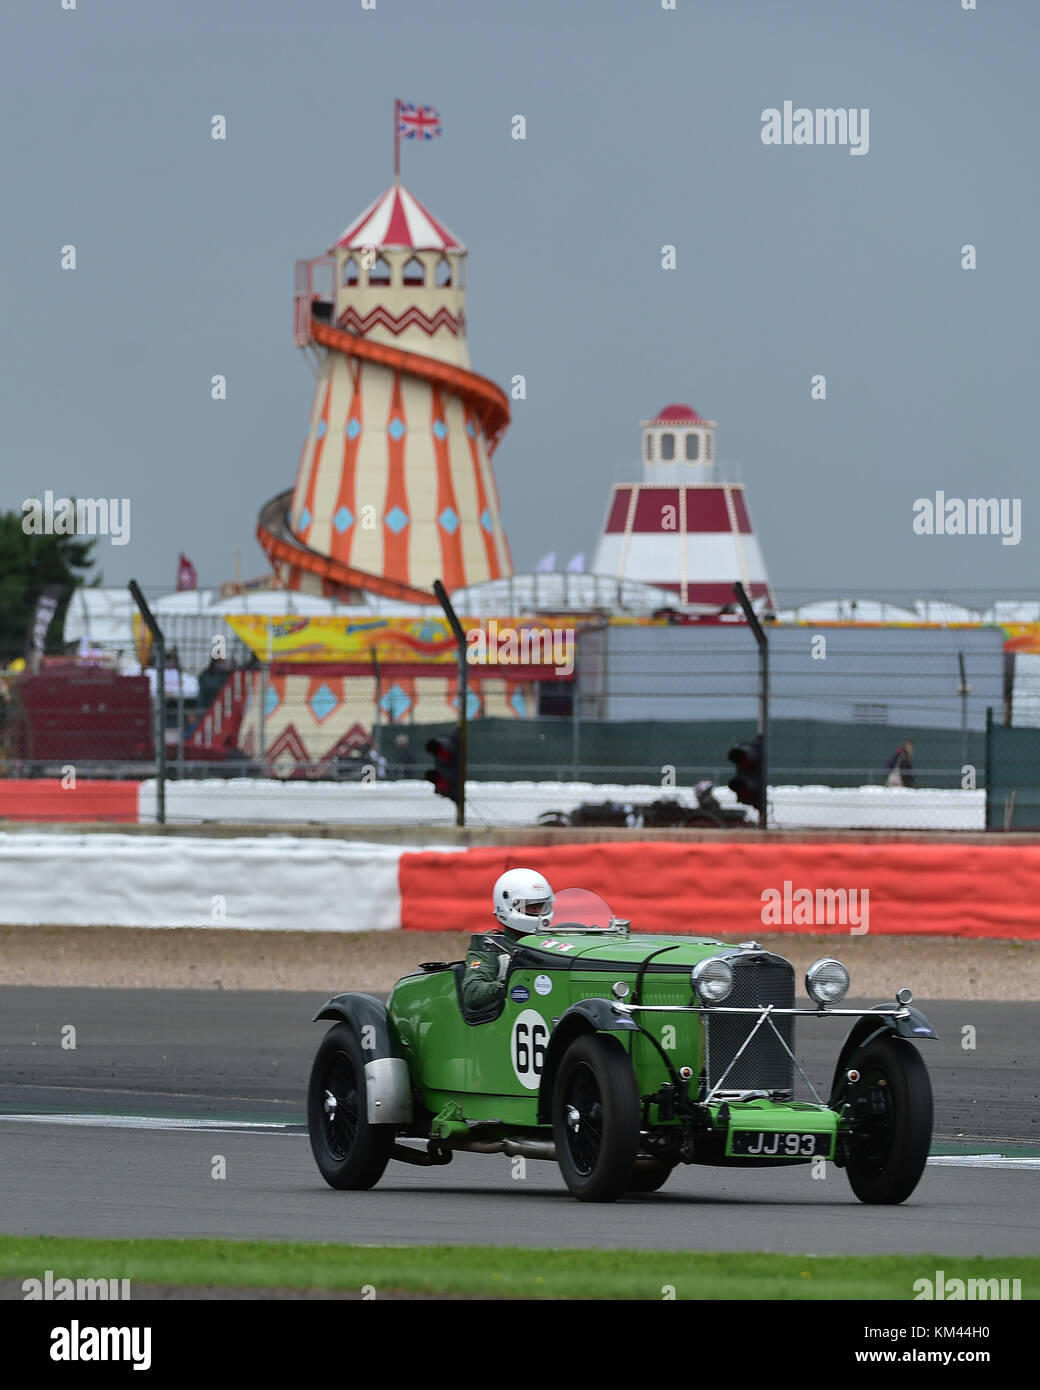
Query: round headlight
{"type": "Point", "coordinates": [827, 981]}
{"type": "Point", "coordinates": [712, 979]}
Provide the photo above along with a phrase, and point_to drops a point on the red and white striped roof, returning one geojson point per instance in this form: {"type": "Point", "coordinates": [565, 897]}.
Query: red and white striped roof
{"type": "Point", "coordinates": [693, 539]}
{"type": "Point", "coordinates": [397, 218]}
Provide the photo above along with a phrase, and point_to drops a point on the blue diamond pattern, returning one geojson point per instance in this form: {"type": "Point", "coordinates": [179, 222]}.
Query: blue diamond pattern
{"type": "Point", "coordinates": [271, 701]}
{"type": "Point", "coordinates": [449, 521]}
{"type": "Point", "coordinates": [322, 703]}
{"type": "Point", "coordinates": [485, 521]}
{"type": "Point", "coordinates": [396, 428]}
{"type": "Point", "coordinates": [322, 429]}
{"type": "Point", "coordinates": [395, 702]}
{"type": "Point", "coordinates": [440, 429]}
{"type": "Point", "coordinates": [519, 703]}
{"type": "Point", "coordinates": [397, 520]}
{"type": "Point", "coordinates": [343, 518]}
{"type": "Point", "coordinates": [305, 519]}
{"type": "Point", "coordinates": [353, 429]}
{"type": "Point", "coordinates": [472, 704]}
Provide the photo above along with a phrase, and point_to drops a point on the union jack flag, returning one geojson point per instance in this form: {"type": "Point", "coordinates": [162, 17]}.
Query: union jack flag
{"type": "Point", "coordinates": [417, 122]}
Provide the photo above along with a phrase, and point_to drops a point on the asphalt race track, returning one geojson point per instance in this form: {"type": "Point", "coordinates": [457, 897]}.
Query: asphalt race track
{"type": "Point", "coordinates": [201, 1063]}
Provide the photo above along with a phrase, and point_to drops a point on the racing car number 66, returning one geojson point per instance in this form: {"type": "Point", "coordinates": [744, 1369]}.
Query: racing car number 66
{"type": "Point", "coordinates": [527, 1048]}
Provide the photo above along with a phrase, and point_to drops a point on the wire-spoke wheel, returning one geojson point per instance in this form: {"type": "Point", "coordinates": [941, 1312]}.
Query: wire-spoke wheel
{"type": "Point", "coordinates": [350, 1152]}
{"type": "Point", "coordinates": [596, 1118]}
{"type": "Point", "coordinates": [893, 1116]}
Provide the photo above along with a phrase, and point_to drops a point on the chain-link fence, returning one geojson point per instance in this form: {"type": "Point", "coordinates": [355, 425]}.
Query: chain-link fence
{"type": "Point", "coordinates": [872, 725]}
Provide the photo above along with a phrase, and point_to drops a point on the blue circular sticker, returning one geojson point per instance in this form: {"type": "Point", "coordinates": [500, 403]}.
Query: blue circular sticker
{"type": "Point", "coordinates": [519, 993]}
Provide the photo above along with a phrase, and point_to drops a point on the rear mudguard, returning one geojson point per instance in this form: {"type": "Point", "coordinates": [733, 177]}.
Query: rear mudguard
{"type": "Point", "coordinates": [388, 1083]}
{"type": "Point", "coordinates": [587, 1016]}
{"type": "Point", "coordinates": [914, 1027]}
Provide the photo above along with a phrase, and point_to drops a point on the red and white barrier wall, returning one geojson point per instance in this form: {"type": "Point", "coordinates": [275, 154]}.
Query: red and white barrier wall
{"type": "Point", "coordinates": [734, 888]}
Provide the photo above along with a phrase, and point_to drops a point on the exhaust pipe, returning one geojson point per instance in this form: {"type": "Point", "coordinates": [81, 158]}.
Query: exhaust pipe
{"type": "Point", "coordinates": [439, 1152]}
{"type": "Point", "coordinates": [421, 1158]}
{"type": "Point", "coordinates": [524, 1148]}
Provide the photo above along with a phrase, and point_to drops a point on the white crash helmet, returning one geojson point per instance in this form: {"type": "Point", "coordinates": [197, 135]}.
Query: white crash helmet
{"type": "Point", "coordinates": [523, 901]}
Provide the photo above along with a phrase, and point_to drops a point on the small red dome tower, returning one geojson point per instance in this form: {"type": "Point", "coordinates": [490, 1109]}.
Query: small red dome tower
{"type": "Point", "coordinates": [682, 528]}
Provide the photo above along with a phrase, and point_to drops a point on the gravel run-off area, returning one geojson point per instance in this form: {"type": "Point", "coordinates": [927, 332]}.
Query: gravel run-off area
{"type": "Point", "coordinates": [208, 958]}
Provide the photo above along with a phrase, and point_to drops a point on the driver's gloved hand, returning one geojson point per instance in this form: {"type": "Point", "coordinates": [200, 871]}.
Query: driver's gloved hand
{"type": "Point", "coordinates": [503, 965]}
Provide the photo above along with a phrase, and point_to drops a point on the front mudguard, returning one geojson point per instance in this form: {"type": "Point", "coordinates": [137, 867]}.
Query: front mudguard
{"type": "Point", "coordinates": [587, 1016]}
{"type": "Point", "coordinates": [388, 1082]}
{"type": "Point", "coordinates": [914, 1027]}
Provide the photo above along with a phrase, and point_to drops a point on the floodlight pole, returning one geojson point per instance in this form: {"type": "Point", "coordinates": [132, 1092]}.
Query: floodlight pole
{"type": "Point", "coordinates": [460, 642]}
{"type": "Point", "coordinates": [763, 699]}
{"type": "Point", "coordinates": [160, 696]}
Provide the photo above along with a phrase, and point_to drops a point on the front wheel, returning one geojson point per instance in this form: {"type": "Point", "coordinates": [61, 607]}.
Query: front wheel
{"type": "Point", "coordinates": [889, 1150]}
{"type": "Point", "coordinates": [349, 1152]}
{"type": "Point", "coordinates": [595, 1111]}
{"type": "Point", "coordinates": [651, 1177]}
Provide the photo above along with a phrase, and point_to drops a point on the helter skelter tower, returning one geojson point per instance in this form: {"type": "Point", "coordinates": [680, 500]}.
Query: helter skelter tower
{"type": "Point", "coordinates": [395, 486]}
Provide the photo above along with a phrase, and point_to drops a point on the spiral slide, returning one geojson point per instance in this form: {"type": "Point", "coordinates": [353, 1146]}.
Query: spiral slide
{"type": "Point", "coordinates": [487, 401]}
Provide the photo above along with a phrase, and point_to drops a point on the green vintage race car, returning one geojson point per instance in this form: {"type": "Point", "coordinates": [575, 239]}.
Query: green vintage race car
{"type": "Point", "coordinates": [619, 1056]}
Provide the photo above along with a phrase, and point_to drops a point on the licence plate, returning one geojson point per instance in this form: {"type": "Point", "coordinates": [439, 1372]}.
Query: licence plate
{"type": "Point", "coordinates": [765, 1143]}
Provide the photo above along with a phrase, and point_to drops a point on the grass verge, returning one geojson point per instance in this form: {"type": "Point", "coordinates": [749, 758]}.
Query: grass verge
{"type": "Point", "coordinates": [504, 1272]}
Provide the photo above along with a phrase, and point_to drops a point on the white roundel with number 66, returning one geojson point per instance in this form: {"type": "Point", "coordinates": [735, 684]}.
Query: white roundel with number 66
{"type": "Point", "coordinates": [527, 1048]}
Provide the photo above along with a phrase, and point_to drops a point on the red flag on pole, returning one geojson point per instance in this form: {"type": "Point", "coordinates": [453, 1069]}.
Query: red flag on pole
{"type": "Point", "coordinates": [187, 575]}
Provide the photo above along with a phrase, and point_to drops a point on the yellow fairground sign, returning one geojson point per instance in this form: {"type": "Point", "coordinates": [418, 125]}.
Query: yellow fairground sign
{"type": "Point", "coordinates": [491, 642]}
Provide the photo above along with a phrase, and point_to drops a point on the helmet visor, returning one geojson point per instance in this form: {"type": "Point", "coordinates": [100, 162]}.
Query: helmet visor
{"type": "Point", "coordinates": [536, 909]}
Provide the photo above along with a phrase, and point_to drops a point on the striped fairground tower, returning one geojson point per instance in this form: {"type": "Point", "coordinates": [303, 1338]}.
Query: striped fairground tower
{"type": "Point", "coordinates": [682, 528]}
{"type": "Point", "coordinates": [395, 486]}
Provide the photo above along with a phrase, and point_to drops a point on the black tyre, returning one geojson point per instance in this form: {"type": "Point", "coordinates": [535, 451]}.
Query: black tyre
{"type": "Point", "coordinates": [596, 1116]}
{"type": "Point", "coordinates": [349, 1152]}
{"type": "Point", "coordinates": [650, 1177]}
{"type": "Point", "coordinates": [888, 1154]}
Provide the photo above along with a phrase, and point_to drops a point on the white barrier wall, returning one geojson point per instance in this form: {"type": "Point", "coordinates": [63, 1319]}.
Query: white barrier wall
{"type": "Point", "coordinates": [245, 799]}
{"type": "Point", "coordinates": [155, 881]}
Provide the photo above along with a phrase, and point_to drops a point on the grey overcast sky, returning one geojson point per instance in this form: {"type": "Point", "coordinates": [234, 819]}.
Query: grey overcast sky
{"type": "Point", "coordinates": [643, 129]}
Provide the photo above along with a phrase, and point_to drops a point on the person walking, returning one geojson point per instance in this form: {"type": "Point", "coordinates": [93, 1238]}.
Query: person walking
{"type": "Point", "coordinates": [901, 765]}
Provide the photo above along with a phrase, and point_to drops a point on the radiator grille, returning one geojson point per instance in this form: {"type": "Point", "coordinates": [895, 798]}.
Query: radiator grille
{"type": "Point", "coordinates": [764, 1065]}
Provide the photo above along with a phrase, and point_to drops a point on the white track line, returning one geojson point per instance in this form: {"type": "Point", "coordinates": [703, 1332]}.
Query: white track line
{"type": "Point", "coordinates": [982, 1160]}
{"type": "Point", "coordinates": [151, 1122]}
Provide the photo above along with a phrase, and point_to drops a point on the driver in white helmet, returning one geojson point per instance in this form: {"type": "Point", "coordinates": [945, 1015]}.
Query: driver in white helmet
{"type": "Point", "coordinates": [523, 902]}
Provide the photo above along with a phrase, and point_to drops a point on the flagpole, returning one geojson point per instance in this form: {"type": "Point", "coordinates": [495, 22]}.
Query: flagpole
{"type": "Point", "coordinates": [397, 139]}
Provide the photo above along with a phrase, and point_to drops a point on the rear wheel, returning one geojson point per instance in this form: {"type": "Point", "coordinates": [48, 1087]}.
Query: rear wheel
{"type": "Point", "coordinates": [596, 1118]}
{"type": "Point", "coordinates": [889, 1149]}
{"type": "Point", "coordinates": [349, 1152]}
